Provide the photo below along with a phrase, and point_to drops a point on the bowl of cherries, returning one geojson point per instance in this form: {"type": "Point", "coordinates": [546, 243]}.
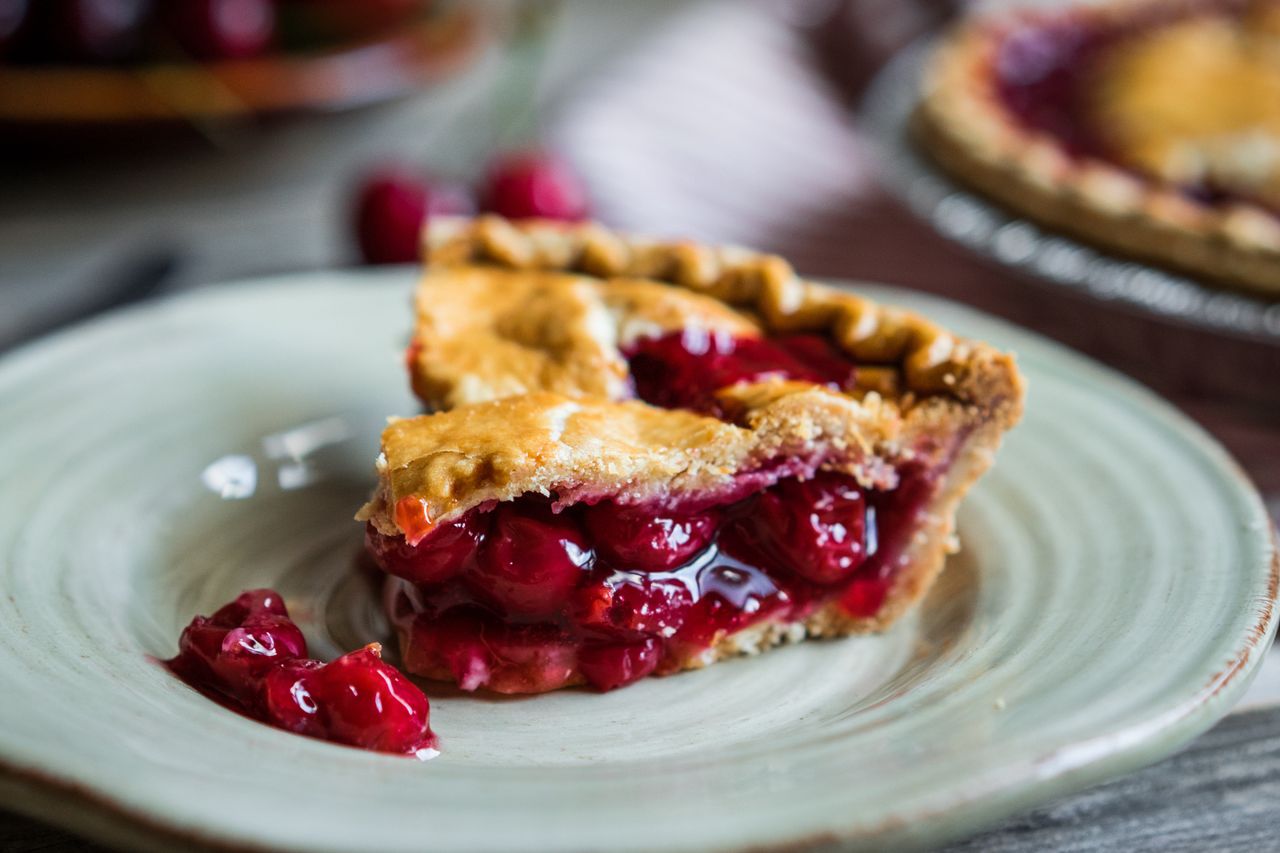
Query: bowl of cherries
{"type": "Point", "coordinates": [133, 62]}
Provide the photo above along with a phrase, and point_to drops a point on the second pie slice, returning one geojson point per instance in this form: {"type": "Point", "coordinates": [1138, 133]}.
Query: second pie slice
{"type": "Point", "coordinates": [646, 457]}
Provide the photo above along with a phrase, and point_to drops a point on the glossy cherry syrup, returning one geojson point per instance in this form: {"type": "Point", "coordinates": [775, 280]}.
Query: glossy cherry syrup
{"type": "Point", "coordinates": [685, 369]}
{"type": "Point", "coordinates": [250, 656]}
{"type": "Point", "coordinates": [609, 594]}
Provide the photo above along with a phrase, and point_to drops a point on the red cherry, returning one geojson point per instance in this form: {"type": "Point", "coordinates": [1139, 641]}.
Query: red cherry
{"type": "Point", "coordinates": [100, 30]}
{"type": "Point", "coordinates": [531, 560]}
{"type": "Point", "coordinates": [392, 207]}
{"type": "Point", "coordinates": [222, 29]}
{"type": "Point", "coordinates": [285, 701]}
{"type": "Point", "coordinates": [249, 651]}
{"type": "Point", "coordinates": [629, 603]}
{"type": "Point", "coordinates": [241, 642]}
{"type": "Point", "coordinates": [534, 184]}
{"type": "Point", "coordinates": [529, 658]}
{"type": "Point", "coordinates": [607, 667]}
{"type": "Point", "coordinates": [815, 528]}
{"type": "Point", "coordinates": [436, 558]}
{"type": "Point", "coordinates": [635, 538]}
{"type": "Point", "coordinates": [685, 369]}
{"type": "Point", "coordinates": [252, 602]}
{"type": "Point", "coordinates": [357, 699]}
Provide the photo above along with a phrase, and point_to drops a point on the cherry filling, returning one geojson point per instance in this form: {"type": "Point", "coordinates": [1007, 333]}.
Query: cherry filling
{"type": "Point", "coordinates": [250, 656]}
{"type": "Point", "coordinates": [1044, 74]}
{"type": "Point", "coordinates": [607, 593]}
{"type": "Point", "coordinates": [685, 369]}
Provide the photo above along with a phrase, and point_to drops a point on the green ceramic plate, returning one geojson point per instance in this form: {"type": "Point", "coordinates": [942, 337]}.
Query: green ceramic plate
{"type": "Point", "coordinates": [1114, 594]}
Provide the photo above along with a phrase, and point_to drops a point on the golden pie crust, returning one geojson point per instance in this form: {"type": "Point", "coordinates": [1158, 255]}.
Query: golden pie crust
{"type": "Point", "coordinates": [1194, 98]}
{"type": "Point", "coordinates": [516, 351]}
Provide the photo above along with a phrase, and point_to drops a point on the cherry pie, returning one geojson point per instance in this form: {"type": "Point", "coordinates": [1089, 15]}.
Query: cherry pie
{"type": "Point", "coordinates": [644, 457]}
{"type": "Point", "coordinates": [1149, 127]}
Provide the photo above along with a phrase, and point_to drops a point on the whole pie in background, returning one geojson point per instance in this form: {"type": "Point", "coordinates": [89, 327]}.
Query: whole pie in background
{"type": "Point", "coordinates": [1148, 127]}
{"type": "Point", "coordinates": [643, 457]}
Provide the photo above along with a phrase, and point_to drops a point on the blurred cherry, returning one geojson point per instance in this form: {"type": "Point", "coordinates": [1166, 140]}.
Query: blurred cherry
{"type": "Point", "coordinates": [222, 29]}
{"type": "Point", "coordinates": [99, 30]}
{"type": "Point", "coordinates": [534, 184]}
{"type": "Point", "coordinates": [392, 206]}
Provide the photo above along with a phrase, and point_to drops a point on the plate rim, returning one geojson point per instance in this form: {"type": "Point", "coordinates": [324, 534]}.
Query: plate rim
{"type": "Point", "coordinates": [45, 796]}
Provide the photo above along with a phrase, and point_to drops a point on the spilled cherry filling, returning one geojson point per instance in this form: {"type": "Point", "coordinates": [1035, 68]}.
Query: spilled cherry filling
{"type": "Point", "coordinates": [250, 656]}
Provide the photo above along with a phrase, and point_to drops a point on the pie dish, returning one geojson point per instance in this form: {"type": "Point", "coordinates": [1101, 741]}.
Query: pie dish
{"type": "Point", "coordinates": [643, 457]}
{"type": "Point", "coordinates": [1148, 128]}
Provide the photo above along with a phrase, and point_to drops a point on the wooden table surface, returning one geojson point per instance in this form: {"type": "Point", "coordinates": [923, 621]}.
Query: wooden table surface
{"type": "Point", "coordinates": [732, 122]}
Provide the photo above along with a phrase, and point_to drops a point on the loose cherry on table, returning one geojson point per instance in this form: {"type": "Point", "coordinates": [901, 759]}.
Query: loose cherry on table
{"type": "Point", "coordinates": [392, 206]}
{"type": "Point", "coordinates": [534, 184]}
{"type": "Point", "coordinates": [251, 656]}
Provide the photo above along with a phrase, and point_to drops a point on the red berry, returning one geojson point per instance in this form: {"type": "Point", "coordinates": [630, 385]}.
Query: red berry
{"type": "Point", "coordinates": [531, 560]}
{"type": "Point", "coordinates": [100, 30]}
{"type": "Point", "coordinates": [222, 29]}
{"type": "Point", "coordinates": [635, 538]}
{"type": "Point", "coordinates": [357, 699]}
{"type": "Point", "coordinates": [436, 558]}
{"type": "Point", "coordinates": [815, 528]}
{"type": "Point", "coordinates": [251, 653]}
{"type": "Point", "coordinates": [241, 642]}
{"type": "Point", "coordinates": [392, 207]}
{"type": "Point", "coordinates": [629, 603]}
{"type": "Point", "coordinates": [252, 602]}
{"type": "Point", "coordinates": [610, 666]}
{"type": "Point", "coordinates": [529, 658]}
{"type": "Point", "coordinates": [454, 642]}
{"type": "Point", "coordinates": [534, 184]}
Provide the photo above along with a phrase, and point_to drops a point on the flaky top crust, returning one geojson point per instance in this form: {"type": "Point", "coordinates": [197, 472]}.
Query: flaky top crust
{"type": "Point", "coordinates": [579, 449]}
{"type": "Point", "coordinates": [519, 338]}
{"type": "Point", "coordinates": [508, 308]}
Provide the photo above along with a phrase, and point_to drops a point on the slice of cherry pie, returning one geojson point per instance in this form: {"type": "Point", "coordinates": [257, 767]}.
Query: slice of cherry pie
{"type": "Point", "coordinates": [1150, 127]}
{"type": "Point", "coordinates": [648, 456]}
